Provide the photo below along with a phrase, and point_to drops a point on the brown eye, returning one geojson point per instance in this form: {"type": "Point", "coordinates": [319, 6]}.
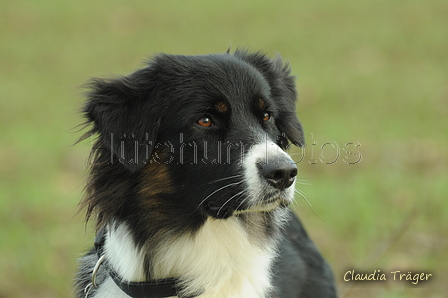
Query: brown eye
{"type": "Point", "coordinates": [266, 116]}
{"type": "Point", "coordinates": [205, 122]}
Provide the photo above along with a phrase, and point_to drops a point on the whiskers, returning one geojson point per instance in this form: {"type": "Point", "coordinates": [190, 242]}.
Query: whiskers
{"type": "Point", "coordinates": [302, 196]}
{"type": "Point", "coordinates": [221, 188]}
{"type": "Point", "coordinates": [231, 198]}
{"type": "Point", "coordinates": [302, 181]}
{"type": "Point", "coordinates": [235, 198]}
{"type": "Point", "coordinates": [225, 178]}
{"type": "Point", "coordinates": [217, 191]}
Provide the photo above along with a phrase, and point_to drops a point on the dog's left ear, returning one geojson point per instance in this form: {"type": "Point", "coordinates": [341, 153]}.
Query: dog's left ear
{"type": "Point", "coordinates": [283, 90]}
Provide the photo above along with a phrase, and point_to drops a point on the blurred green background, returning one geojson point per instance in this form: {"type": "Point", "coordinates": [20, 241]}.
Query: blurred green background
{"type": "Point", "coordinates": [370, 73]}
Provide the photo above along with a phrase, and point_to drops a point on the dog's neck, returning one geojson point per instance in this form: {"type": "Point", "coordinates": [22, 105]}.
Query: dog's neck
{"type": "Point", "coordinates": [219, 260]}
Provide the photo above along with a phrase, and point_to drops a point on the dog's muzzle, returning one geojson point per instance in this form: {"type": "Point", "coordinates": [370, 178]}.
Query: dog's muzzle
{"type": "Point", "coordinates": [269, 177]}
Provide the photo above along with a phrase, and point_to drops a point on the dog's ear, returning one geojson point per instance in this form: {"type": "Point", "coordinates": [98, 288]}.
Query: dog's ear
{"type": "Point", "coordinates": [283, 91]}
{"type": "Point", "coordinates": [122, 112]}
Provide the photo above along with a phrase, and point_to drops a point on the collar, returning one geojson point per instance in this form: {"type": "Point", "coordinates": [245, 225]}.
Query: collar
{"type": "Point", "coordinates": [155, 288]}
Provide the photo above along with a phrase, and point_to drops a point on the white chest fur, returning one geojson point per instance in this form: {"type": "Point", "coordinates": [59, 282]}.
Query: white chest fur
{"type": "Point", "coordinates": [220, 260]}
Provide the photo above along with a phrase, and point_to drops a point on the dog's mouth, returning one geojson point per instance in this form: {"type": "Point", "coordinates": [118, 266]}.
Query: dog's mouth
{"type": "Point", "coordinates": [215, 211]}
{"type": "Point", "coordinates": [222, 212]}
{"type": "Point", "coordinates": [266, 205]}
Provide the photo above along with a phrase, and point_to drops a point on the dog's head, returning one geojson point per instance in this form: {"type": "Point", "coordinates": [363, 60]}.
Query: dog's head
{"type": "Point", "coordinates": [190, 135]}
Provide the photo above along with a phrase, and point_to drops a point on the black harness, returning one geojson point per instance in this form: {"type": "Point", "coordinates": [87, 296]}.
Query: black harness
{"type": "Point", "coordinates": [157, 288]}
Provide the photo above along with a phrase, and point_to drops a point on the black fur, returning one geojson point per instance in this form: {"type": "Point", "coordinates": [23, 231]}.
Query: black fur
{"type": "Point", "coordinates": [152, 165]}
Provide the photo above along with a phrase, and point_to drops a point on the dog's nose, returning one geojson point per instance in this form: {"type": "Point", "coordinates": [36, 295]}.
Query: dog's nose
{"type": "Point", "coordinates": [280, 174]}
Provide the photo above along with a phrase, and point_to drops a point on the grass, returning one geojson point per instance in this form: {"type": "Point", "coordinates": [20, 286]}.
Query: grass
{"type": "Point", "coordinates": [369, 72]}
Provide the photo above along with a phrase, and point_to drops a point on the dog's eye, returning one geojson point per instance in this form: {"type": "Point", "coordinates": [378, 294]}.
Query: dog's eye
{"type": "Point", "coordinates": [266, 116]}
{"type": "Point", "coordinates": [205, 122]}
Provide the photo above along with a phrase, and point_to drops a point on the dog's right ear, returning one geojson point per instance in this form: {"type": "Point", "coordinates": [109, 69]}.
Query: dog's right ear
{"type": "Point", "coordinates": [126, 119]}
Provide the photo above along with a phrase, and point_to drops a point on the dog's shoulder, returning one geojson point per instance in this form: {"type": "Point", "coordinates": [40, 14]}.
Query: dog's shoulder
{"type": "Point", "coordinates": [300, 263]}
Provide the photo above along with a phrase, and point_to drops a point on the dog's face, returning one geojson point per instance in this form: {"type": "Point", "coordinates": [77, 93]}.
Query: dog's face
{"type": "Point", "coordinates": [198, 135]}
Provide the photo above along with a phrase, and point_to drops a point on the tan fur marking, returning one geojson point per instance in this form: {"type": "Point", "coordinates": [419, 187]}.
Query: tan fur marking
{"type": "Point", "coordinates": [221, 107]}
{"type": "Point", "coordinates": [261, 104]}
{"type": "Point", "coordinates": [155, 180]}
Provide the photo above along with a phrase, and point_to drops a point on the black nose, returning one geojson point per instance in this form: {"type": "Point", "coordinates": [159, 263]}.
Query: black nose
{"type": "Point", "coordinates": [280, 174]}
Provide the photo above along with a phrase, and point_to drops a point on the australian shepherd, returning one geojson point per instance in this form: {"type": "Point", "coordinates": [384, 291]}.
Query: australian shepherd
{"type": "Point", "coordinates": [190, 181]}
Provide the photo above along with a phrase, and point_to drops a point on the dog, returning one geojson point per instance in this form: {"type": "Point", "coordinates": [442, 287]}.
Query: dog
{"type": "Point", "coordinates": [190, 181]}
